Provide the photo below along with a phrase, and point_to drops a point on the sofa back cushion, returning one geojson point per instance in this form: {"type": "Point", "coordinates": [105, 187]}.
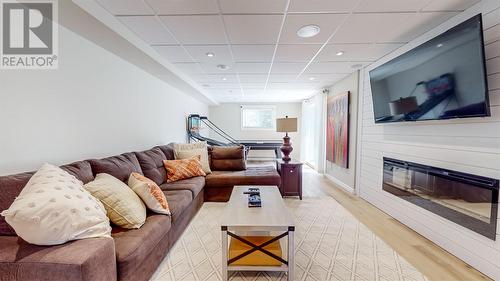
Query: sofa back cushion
{"type": "Point", "coordinates": [11, 186]}
{"type": "Point", "coordinates": [81, 170]}
{"type": "Point", "coordinates": [227, 158]}
{"type": "Point", "coordinates": [119, 166]}
{"type": "Point", "coordinates": [151, 162]}
{"type": "Point", "coordinates": [168, 150]}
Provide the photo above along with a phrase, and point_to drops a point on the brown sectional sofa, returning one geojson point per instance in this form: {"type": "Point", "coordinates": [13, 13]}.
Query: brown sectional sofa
{"type": "Point", "coordinates": [131, 254]}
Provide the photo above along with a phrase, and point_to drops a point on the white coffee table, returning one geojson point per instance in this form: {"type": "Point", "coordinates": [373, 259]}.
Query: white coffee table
{"type": "Point", "coordinates": [272, 217]}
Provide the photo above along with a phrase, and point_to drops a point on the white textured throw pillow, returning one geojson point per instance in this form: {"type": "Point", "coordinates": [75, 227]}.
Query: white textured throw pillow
{"type": "Point", "coordinates": [123, 206]}
{"type": "Point", "coordinates": [54, 208]}
{"type": "Point", "coordinates": [188, 150]}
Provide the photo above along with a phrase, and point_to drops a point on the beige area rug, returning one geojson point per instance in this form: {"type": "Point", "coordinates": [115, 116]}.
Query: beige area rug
{"type": "Point", "coordinates": [331, 244]}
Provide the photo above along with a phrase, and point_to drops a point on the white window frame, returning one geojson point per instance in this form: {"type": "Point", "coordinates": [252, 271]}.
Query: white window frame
{"type": "Point", "coordinates": [265, 107]}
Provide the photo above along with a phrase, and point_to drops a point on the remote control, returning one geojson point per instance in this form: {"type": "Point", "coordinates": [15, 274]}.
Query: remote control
{"type": "Point", "coordinates": [252, 192]}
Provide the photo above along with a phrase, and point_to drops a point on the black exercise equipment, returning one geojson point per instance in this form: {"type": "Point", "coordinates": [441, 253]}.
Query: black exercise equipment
{"type": "Point", "coordinates": [193, 130]}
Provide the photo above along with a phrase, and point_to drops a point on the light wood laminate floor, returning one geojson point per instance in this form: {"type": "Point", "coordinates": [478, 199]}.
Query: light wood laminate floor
{"type": "Point", "coordinates": [430, 259]}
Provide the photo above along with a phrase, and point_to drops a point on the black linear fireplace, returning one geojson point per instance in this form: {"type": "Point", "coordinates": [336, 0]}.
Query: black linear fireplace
{"type": "Point", "coordinates": [468, 200]}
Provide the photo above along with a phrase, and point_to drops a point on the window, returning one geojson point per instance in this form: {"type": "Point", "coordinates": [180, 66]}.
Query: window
{"type": "Point", "coordinates": [258, 117]}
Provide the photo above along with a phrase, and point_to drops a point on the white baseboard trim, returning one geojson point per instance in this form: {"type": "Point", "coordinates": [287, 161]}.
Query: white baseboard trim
{"type": "Point", "coordinates": [340, 184]}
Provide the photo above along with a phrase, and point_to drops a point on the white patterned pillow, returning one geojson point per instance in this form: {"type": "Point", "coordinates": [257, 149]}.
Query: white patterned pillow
{"type": "Point", "coordinates": [188, 150]}
{"type": "Point", "coordinates": [54, 208]}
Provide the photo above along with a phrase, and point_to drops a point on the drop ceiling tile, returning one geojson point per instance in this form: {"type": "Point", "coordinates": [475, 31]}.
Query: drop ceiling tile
{"type": "Point", "coordinates": [211, 68]}
{"type": "Point", "coordinates": [126, 7]}
{"type": "Point", "coordinates": [216, 78]}
{"type": "Point", "coordinates": [321, 6]}
{"type": "Point", "coordinates": [227, 93]}
{"type": "Point", "coordinates": [332, 67]}
{"type": "Point", "coordinates": [201, 29]}
{"type": "Point", "coordinates": [253, 92]}
{"type": "Point", "coordinates": [320, 78]}
{"type": "Point", "coordinates": [292, 86]}
{"type": "Point", "coordinates": [173, 53]}
{"type": "Point", "coordinates": [356, 52]}
{"type": "Point", "coordinates": [290, 93]}
{"type": "Point", "coordinates": [252, 6]}
{"type": "Point", "coordinates": [288, 67]}
{"type": "Point", "coordinates": [327, 23]}
{"type": "Point", "coordinates": [449, 5]}
{"type": "Point", "coordinates": [387, 27]}
{"type": "Point", "coordinates": [199, 52]}
{"type": "Point", "coordinates": [247, 86]}
{"type": "Point", "coordinates": [252, 67]}
{"type": "Point", "coordinates": [148, 28]}
{"type": "Point", "coordinates": [296, 53]}
{"type": "Point", "coordinates": [212, 86]}
{"type": "Point", "coordinates": [253, 29]}
{"type": "Point", "coordinates": [253, 78]}
{"type": "Point", "coordinates": [253, 53]}
{"type": "Point", "coordinates": [391, 5]}
{"type": "Point", "coordinates": [189, 68]}
{"type": "Point", "coordinates": [282, 78]}
{"type": "Point", "coordinates": [176, 7]}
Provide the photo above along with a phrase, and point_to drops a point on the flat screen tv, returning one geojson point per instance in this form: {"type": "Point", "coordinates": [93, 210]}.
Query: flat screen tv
{"type": "Point", "coordinates": [443, 78]}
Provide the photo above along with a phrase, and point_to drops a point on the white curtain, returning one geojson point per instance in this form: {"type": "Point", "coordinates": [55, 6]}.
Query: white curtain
{"type": "Point", "coordinates": [312, 132]}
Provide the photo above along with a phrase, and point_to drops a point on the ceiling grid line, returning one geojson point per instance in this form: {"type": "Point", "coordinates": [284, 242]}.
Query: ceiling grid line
{"type": "Point", "coordinates": [230, 48]}
{"type": "Point", "coordinates": [328, 40]}
{"type": "Point", "coordinates": [258, 39]}
{"type": "Point", "coordinates": [276, 44]}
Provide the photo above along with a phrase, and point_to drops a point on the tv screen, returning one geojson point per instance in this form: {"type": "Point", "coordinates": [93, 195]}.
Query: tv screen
{"type": "Point", "coordinates": [441, 79]}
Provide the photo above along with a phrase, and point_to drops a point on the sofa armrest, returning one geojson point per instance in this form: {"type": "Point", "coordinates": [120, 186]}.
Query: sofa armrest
{"type": "Point", "coordinates": [90, 259]}
{"type": "Point", "coordinates": [227, 158]}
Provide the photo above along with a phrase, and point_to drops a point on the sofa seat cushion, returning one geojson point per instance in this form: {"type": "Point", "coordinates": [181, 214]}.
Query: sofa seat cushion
{"type": "Point", "coordinates": [151, 162]}
{"type": "Point", "coordinates": [120, 166]}
{"type": "Point", "coordinates": [195, 185]}
{"type": "Point", "coordinates": [265, 175]}
{"type": "Point", "coordinates": [88, 259]}
{"type": "Point", "coordinates": [133, 246]}
{"type": "Point", "coordinates": [178, 201]}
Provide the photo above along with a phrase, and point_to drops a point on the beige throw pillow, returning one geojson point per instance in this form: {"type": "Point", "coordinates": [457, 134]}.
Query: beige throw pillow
{"type": "Point", "coordinates": [123, 206]}
{"type": "Point", "coordinates": [54, 208]}
{"type": "Point", "coordinates": [149, 192]}
{"type": "Point", "coordinates": [188, 150]}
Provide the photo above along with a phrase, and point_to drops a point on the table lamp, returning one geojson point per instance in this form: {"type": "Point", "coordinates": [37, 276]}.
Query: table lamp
{"type": "Point", "coordinates": [403, 105]}
{"type": "Point", "coordinates": [286, 125]}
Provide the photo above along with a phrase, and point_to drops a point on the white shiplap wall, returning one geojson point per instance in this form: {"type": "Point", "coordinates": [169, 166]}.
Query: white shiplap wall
{"type": "Point", "coordinates": [468, 145]}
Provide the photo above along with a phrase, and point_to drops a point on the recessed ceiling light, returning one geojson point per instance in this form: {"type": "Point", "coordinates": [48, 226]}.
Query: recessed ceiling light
{"type": "Point", "coordinates": [210, 54]}
{"type": "Point", "coordinates": [339, 53]}
{"type": "Point", "coordinates": [439, 45]}
{"type": "Point", "coordinates": [224, 78]}
{"type": "Point", "coordinates": [222, 67]}
{"type": "Point", "coordinates": [312, 78]}
{"type": "Point", "coordinates": [308, 31]}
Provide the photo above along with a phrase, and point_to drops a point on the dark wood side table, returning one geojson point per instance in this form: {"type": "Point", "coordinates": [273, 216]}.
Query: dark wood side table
{"type": "Point", "coordinates": [291, 177]}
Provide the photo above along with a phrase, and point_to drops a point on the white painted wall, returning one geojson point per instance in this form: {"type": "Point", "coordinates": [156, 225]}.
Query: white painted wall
{"type": "Point", "coordinates": [96, 104]}
{"type": "Point", "coordinates": [227, 116]}
{"type": "Point", "coordinates": [467, 145]}
{"type": "Point", "coordinates": [341, 176]}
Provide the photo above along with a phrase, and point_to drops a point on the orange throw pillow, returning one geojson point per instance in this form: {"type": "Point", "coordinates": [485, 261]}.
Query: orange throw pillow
{"type": "Point", "coordinates": [183, 168]}
{"type": "Point", "coordinates": [149, 192]}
